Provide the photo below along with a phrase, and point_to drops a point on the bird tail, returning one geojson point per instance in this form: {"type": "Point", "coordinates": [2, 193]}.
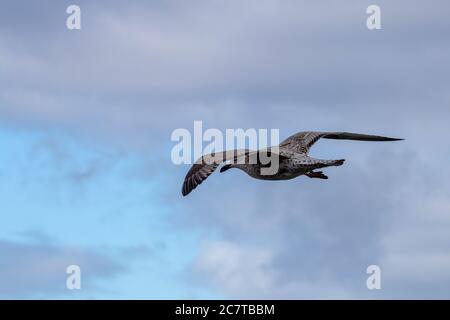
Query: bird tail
{"type": "Point", "coordinates": [330, 163]}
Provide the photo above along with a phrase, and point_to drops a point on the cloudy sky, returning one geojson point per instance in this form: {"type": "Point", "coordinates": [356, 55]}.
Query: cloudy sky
{"type": "Point", "coordinates": [86, 176]}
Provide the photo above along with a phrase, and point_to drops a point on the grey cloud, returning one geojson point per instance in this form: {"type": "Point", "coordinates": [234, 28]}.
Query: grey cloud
{"type": "Point", "coordinates": [319, 237]}
{"type": "Point", "coordinates": [142, 251]}
{"type": "Point", "coordinates": [38, 270]}
{"type": "Point", "coordinates": [137, 71]}
{"type": "Point", "coordinates": [55, 152]}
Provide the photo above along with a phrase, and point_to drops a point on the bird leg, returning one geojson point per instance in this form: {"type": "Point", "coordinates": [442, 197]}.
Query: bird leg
{"type": "Point", "coordinates": [316, 174]}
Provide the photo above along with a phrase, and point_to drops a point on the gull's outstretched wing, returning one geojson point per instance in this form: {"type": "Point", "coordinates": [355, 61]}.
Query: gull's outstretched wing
{"type": "Point", "coordinates": [206, 165]}
{"type": "Point", "coordinates": [301, 142]}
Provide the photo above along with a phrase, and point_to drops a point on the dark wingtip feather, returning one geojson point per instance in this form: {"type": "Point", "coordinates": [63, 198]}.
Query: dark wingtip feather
{"type": "Point", "coordinates": [184, 190]}
{"type": "Point", "coordinates": [358, 136]}
{"type": "Point", "coordinates": [392, 139]}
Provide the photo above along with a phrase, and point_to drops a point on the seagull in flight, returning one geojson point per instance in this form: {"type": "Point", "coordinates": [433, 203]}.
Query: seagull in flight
{"type": "Point", "coordinates": [292, 155]}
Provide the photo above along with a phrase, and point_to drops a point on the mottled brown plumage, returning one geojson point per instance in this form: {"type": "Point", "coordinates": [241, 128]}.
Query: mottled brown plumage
{"type": "Point", "coordinates": [292, 155]}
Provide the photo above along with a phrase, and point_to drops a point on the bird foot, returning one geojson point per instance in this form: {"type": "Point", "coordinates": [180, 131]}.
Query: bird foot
{"type": "Point", "coordinates": [316, 174]}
